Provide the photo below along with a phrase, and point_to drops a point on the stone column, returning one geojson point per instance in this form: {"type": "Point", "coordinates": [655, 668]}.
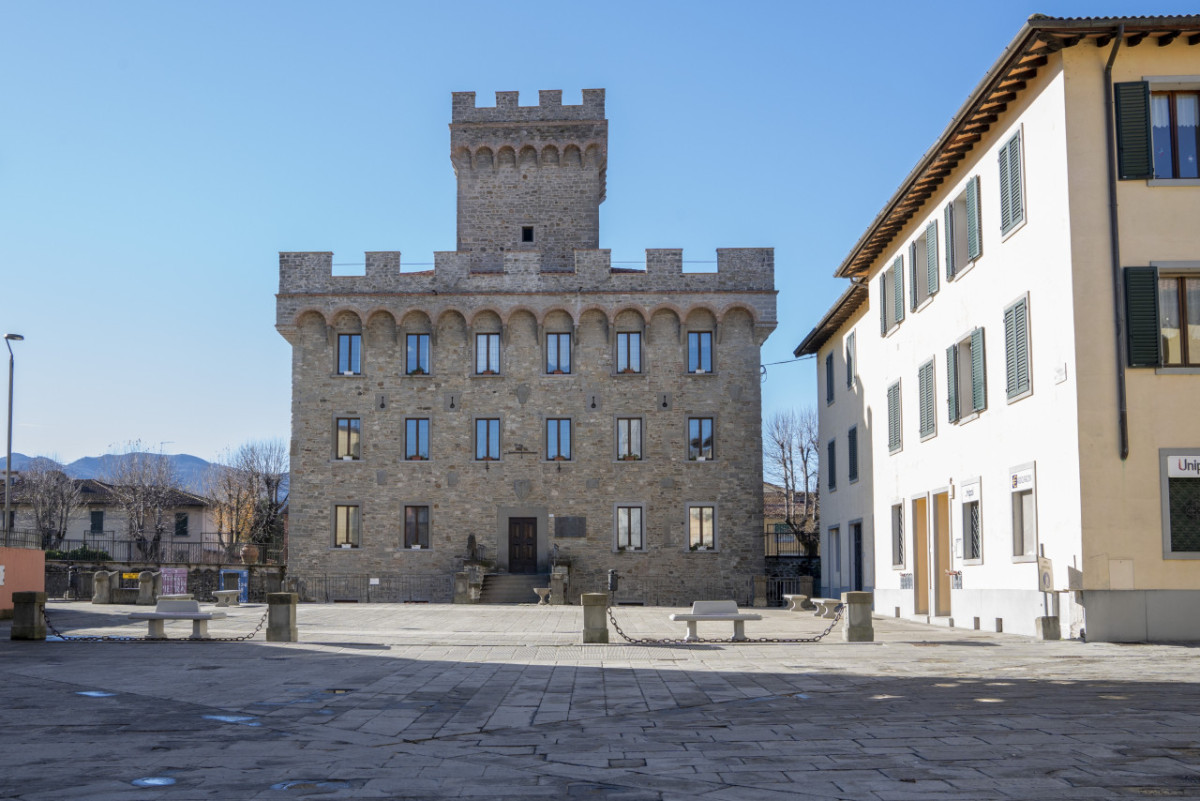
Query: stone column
{"type": "Point", "coordinates": [29, 621]}
{"type": "Point", "coordinates": [102, 587]}
{"type": "Point", "coordinates": [760, 591]}
{"type": "Point", "coordinates": [856, 617]}
{"type": "Point", "coordinates": [146, 588]}
{"type": "Point", "coordinates": [595, 621]}
{"type": "Point", "coordinates": [462, 591]}
{"type": "Point", "coordinates": [281, 617]}
{"type": "Point", "coordinates": [558, 589]}
{"type": "Point", "coordinates": [806, 589]}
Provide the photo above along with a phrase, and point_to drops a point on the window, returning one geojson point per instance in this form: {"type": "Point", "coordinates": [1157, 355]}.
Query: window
{"type": "Point", "coordinates": [700, 438]}
{"type": "Point", "coordinates": [700, 351]}
{"type": "Point", "coordinates": [1016, 350]}
{"type": "Point", "coordinates": [487, 354]}
{"type": "Point", "coordinates": [1012, 200]}
{"type": "Point", "coordinates": [829, 378]}
{"type": "Point", "coordinates": [631, 534]}
{"type": "Point", "coordinates": [349, 354]}
{"type": "Point", "coordinates": [851, 355]}
{"type": "Point", "coordinates": [346, 527]}
{"type": "Point", "coordinates": [966, 385]}
{"type": "Point", "coordinates": [1179, 320]}
{"type": "Point", "coordinates": [416, 527]}
{"type": "Point", "coordinates": [891, 296]}
{"type": "Point", "coordinates": [558, 354]}
{"type": "Point", "coordinates": [416, 439]}
{"type": "Point", "coordinates": [97, 522]}
{"type": "Point", "coordinates": [835, 553]}
{"type": "Point", "coordinates": [852, 453]}
{"type": "Point", "coordinates": [1175, 133]}
{"type": "Point", "coordinates": [963, 229]}
{"type": "Point", "coordinates": [831, 464]}
{"type": "Point", "coordinates": [925, 393]}
{"type": "Point", "coordinates": [181, 524]}
{"type": "Point", "coordinates": [1163, 313]}
{"type": "Point", "coordinates": [558, 440]}
{"type": "Point", "coordinates": [349, 439]}
{"type": "Point", "coordinates": [629, 439]}
{"type": "Point", "coordinates": [629, 352]}
{"type": "Point", "coordinates": [893, 400]}
{"type": "Point", "coordinates": [702, 528]}
{"type": "Point", "coordinates": [972, 523]}
{"type": "Point", "coordinates": [487, 439]}
{"type": "Point", "coordinates": [1024, 513]}
{"type": "Point", "coordinates": [526, 233]}
{"type": "Point", "coordinates": [898, 535]}
{"type": "Point", "coordinates": [417, 360]}
{"type": "Point", "coordinates": [1180, 476]}
{"type": "Point", "coordinates": [923, 265]}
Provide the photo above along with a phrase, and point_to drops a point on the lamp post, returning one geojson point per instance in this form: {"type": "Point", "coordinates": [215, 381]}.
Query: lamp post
{"type": "Point", "coordinates": [8, 340]}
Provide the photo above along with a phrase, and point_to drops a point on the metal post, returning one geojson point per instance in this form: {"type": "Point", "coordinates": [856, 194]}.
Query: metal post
{"type": "Point", "coordinates": [8, 340]}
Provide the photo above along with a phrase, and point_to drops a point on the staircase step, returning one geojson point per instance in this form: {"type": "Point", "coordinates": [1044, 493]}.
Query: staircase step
{"type": "Point", "coordinates": [512, 588]}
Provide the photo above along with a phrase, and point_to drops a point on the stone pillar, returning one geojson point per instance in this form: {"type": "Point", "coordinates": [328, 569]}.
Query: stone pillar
{"type": "Point", "coordinates": [806, 589]}
{"type": "Point", "coordinates": [760, 591]}
{"type": "Point", "coordinates": [856, 617]}
{"type": "Point", "coordinates": [102, 587]}
{"type": "Point", "coordinates": [558, 589]}
{"type": "Point", "coordinates": [595, 621]}
{"type": "Point", "coordinates": [462, 588]}
{"type": "Point", "coordinates": [146, 595]}
{"type": "Point", "coordinates": [29, 621]}
{"type": "Point", "coordinates": [281, 617]}
{"type": "Point", "coordinates": [1047, 628]}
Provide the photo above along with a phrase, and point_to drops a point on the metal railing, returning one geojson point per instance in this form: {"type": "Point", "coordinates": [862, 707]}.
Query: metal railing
{"type": "Point", "coordinates": [21, 538]}
{"type": "Point", "coordinates": [396, 588]}
{"type": "Point", "coordinates": [166, 552]}
{"type": "Point", "coordinates": [782, 543]}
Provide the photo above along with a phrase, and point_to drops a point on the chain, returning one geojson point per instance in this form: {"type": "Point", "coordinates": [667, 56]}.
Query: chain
{"type": "Point", "coordinates": [837, 616]}
{"type": "Point", "coordinates": [109, 638]}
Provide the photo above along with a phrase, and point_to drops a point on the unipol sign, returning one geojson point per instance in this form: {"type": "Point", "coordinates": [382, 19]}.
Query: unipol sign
{"type": "Point", "coordinates": [1183, 466]}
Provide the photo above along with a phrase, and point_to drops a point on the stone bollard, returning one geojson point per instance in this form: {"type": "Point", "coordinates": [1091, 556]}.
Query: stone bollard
{"type": "Point", "coordinates": [595, 621]}
{"type": "Point", "coordinates": [806, 589]}
{"type": "Point", "coordinates": [1047, 628]}
{"type": "Point", "coordinates": [462, 588]}
{"type": "Point", "coordinates": [146, 594]}
{"type": "Point", "coordinates": [856, 619]}
{"type": "Point", "coordinates": [29, 620]}
{"type": "Point", "coordinates": [760, 591]}
{"type": "Point", "coordinates": [558, 589]}
{"type": "Point", "coordinates": [281, 617]}
{"type": "Point", "coordinates": [102, 587]}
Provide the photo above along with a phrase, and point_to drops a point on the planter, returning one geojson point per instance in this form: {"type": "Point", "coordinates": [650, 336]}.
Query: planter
{"type": "Point", "coordinates": [250, 554]}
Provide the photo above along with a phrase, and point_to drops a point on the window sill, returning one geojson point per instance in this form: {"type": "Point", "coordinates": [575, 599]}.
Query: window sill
{"type": "Point", "coordinates": [973, 562]}
{"type": "Point", "coordinates": [629, 550]}
{"type": "Point", "coordinates": [895, 450]}
{"type": "Point", "coordinates": [339, 548]}
{"type": "Point", "coordinates": [342, 460]}
{"type": "Point", "coordinates": [409, 548]}
{"type": "Point", "coordinates": [348, 375]}
{"type": "Point", "coordinates": [703, 460]}
{"type": "Point", "coordinates": [487, 461]}
{"type": "Point", "coordinates": [1023, 559]}
{"type": "Point", "coordinates": [1173, 182]}
{"type": "Point", "coordinates": [702, 550]}
{"type": "Point", "coordinates": [1176, 370]}
{"type": "Point", "coordinates": [417, 459]}
{"type": "Point", "coordinates": [1181, 555]}
{"type": "Point", "coordinates": [553, 373]}
{"type": "Point", "coordinates": [1004, 235]}
{"type": "Point", "coordinates": [487, 375]}
{"type": "Point", "coordinates": [628, 374]}
{"type": "Point", "coordinates": [928, 299]}
{"type": "Point", "coordinates": [967, 418]}
{"type": "Point", "coordinates": [1023, 395]}
{"type": "Point", "coordinates": [418, 375]}
{"type": "Point", "coordinates": [853, 481]}
{"type": "Point", "coordinates": [927, 437]}
{"type": "Point", "coordinates": [700, 373]}
{"type": "Point", "coordinates": [966, 268]}
{"type": "Point", "coordinates": [623, 460]}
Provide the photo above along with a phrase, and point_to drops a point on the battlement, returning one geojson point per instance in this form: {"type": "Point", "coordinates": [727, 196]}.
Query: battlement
{"type": "Point", "coordinates": [507, 109]}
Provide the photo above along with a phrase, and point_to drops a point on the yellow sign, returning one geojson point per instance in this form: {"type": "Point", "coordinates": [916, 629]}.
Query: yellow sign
{"type": "Point", "coordinates": [130, 576]}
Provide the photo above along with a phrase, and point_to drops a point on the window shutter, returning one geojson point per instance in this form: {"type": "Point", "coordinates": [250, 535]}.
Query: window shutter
{"type": "Point", "coordinates": [948, 225]}
{"type": "Point", "coordinates": [893, 417]}
{"type": "Point", "coordinates": [1133, 130]}
{"type": "Point", "coordinates": [926, 393]}
{"type": "Point", "coordinates": [978, 374]}
{"type": "Point", "coordinates": [850, 356]}
{"type": "Point", "coordinates": [898, 287]}
{"type": "Point", "coordinates": [1016, 195]}
{"type": "Point", "coordinates": [832, 471]}
{"type": "Point", "coordinates": [952, 383]}
{"type": "Point", "coordinates": [974, 228]}
{"type": "Point", "coordinates": [1141, 316]}
{"type": "Point", "coordinates": [1005, 190]}
{"type": "Point", "coordinates": [829, 378]}
{"type": "Point", "coordinates": [852, 455]}
{"type": "Point", "coordinates": [931, 257]}
{"type": "Point", "coordinates": [883, 302]}
{"type": "Point", "coordinates": [913, 276]}
{"type": "Point", "coordinates": [1016, 348]}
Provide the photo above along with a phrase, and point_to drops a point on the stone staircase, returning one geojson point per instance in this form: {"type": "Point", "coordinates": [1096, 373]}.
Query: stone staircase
{"type": "Point", "coordinates": [512, 588]}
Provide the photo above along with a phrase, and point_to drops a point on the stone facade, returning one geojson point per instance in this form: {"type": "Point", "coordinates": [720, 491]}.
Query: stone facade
{"type": "Point", "coordinates": [527, 172]}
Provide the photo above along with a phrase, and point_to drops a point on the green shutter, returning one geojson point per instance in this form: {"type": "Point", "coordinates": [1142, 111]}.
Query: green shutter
{"type": "Point", "coordinates": [852, 452]}
{"type": "Point", "coordinates": [928, 424]}
{"type": "Point", "coordinates": [893, 417]}
{"type": "Point", "coordinates": [978, 374]}
{"type": "Point", "coordinates": [1133, 130]}
{"type": "Point", "coordinates": [948, 225]}
{"type": "Point", "coordinates": [974, 227]}
{"type": "Point", "coordinates": [832, 471]}
{"type": "Point", "coordinates": [898, 287]}
{"type": "Point", "coordinates": [829, 377]}
{"type": "Point", "coordinates": [1141, 316]}
{"type": "Point", "coordinates": [913, 276]}
{"type": "Point", "coordinates": [952, 383]}
{"type": "Point", "coordinates": [1005, 213]}
{"type": "Point", "coordinates": [1016, 348]}
{"type": "Point", "coordinates": [883, 301]}
{"type": "Point", "coordinates": [850, 356]}
{"type": "Point", "coordinates": [1012, 206]}
{"type": "Point", "coordinates": [931, 257]}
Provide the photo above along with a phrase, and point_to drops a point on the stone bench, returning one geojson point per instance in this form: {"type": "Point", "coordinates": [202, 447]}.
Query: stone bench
{"type": "Point", "coordinates": [227, 597]}
{"type": "Point", "coordinates": [715, 610]}
{"type": "Point", "coordinates": [827, 607]}
{"type": "Point", "coordinates": [797, 603]}
{"type": "Point", "coordinates": [177, 610]}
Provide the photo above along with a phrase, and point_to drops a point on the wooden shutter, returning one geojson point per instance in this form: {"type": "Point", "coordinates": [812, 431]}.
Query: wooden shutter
{"type": "Point", "coordinates": [978, 373]}
{"type": "Point", "coordinates": [829, 378]}
{"type": "Point", "coordinates": [1016, 348]}
{"type": "Point", "coordinates": [931, 257]}
{"type": "Point", "coordinates": [1142, 328]}
{"type": "Point", "coordinates": [952, 383]}
{"type": "Point", "coordinates": [832, 471]}
{"type": "Point", "coordinates": [898, 287]}
{"type": "Point", "coordinates": [1012, 206]}
{"type": "Point", "coordinates": [1134, 151]}
{"type": "Point", "coordinates": [883, 302]}
{"type": "Point", "coordinates": [948, 225]}
{"type": "Point", "coordinates": [913, 276]}
{"type": "Point", "coordinates": [852, 453]}
{"type": "Point", "coordinates": [974, 226]}
{"type": "Point", "coordinates": [925, 390]}
{"type": "Point", "coordinates": [893, 417]}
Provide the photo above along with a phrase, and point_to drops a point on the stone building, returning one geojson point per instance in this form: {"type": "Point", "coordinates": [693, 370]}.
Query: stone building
{"type": "Point", "coordinates": [526, 396]}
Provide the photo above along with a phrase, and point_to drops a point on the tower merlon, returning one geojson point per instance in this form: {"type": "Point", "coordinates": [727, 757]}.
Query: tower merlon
{"type": "Point", "coordinates": [550, 108]}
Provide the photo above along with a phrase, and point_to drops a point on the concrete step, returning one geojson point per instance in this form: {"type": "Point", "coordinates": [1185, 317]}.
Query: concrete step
{"type": "Point", "coordinates": [512, 588]}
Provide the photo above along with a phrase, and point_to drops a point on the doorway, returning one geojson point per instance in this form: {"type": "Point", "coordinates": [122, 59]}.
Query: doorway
{"type": "Point", "coordinates": [856, 557]}
{"type": "Point", "coordinates": [522, 545]}
{"type": "Point", "coordinates": [941, 554]}
{"type": "Point", "coordinates": [920, 520]}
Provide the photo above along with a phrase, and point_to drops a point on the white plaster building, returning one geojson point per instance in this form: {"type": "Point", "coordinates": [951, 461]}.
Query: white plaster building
{"type": "Point", "coordinates": [1024, 327]}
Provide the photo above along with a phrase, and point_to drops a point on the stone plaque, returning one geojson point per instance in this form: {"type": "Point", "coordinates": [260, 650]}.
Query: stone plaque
{"type": "Point", "coordinates": [522, 487]}
{"type": "Point", "coordinates": [574, 527]}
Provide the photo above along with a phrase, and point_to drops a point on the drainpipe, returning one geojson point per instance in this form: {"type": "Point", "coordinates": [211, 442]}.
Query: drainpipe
{"type": "Point", "coordinates": [1115, 246]}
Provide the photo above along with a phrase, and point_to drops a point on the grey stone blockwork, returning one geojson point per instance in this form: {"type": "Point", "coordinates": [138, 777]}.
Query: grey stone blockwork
{"type": "Point", "coordinates": [560, 283]}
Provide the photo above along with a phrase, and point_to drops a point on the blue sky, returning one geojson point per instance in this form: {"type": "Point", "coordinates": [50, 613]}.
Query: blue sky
{"type": "Point", "coordinates": [156, 156]}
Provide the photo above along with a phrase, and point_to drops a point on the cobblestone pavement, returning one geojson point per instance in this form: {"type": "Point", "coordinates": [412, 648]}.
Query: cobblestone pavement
{"type": "Point", "coordinates": [422, 702]}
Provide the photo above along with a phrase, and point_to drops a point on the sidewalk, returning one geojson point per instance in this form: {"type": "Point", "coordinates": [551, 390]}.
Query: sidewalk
{"type": "Point", "coordinates": [441, 701]}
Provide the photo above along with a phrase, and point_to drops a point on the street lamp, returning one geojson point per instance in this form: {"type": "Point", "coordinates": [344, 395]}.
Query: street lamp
{"type": "Point", "coordinates": [8, 340]}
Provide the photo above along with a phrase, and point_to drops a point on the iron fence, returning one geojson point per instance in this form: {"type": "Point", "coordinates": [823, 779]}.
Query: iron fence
{"type": "Point", "coordinates": [21, 538]}
{"type": "Point", "coordinates": [782, 543]}
{"type": "Point", "coordinates": [407, 588]}
{"type": "Point", "coordinates": [166, 552]}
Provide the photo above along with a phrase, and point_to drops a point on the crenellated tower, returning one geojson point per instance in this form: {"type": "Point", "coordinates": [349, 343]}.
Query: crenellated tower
{"type": "Point", "coordinates": [530, 178]}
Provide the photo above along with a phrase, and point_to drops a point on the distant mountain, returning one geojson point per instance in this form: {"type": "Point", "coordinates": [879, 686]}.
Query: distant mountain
{"type": "Point", "coordinates": [190, 469]}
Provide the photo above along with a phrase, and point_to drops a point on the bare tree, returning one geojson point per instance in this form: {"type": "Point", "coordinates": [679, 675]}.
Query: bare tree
{"type": "Point", "coordinates": [791, 453]}
{"type": "Point", "coordinates": [145, 486]}
{"type": "Point", "coordinates": [245, 491]}
{"type": "Point", "coordinates": [53, 499]}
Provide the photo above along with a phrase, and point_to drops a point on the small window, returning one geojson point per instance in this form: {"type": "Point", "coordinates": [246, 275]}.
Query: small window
{"type": "Point", "coordinates": [702, 528]}
{"type": "Point", "coordinates": [923, 265]}
{"type": "Point", "coordinates": [828, 378]}
{"type": "Point", "coordinates": [631, 534]}
{"type": "Point", "coordinates": [852, 453]}
{"type": "Point", "coordinates": [417, 357]}
{"type": "Point", "coordinates": [487, 354]}
{"type": "Point", "coordinates": [700, 438]}
{"type": "Point", "coordinates": [1175, 131]}
{"type": "Point", "coordinates": [972, 522]}
{"type": "Point", "coordinates": [962, 229]}
{"type": "Point", "coordinates": [349, 354]}
{"type": "Point", "coordinates": [898, 535]}
{"type": "Point", "coordinates": [629, 352]}
{"type": "Point", "coordinates": [416, 527]}
{"type": "Point", "coordinates": [558, 354]}
{"type": "Point", "coordinates": [527, 233]}
{"type": "Point", "coordinates": [966, 381]}
{"type": "Point", "coordinates": [1022, 481]}
{"type": "Point", "coordinates": [629, 439]}
{"type": "Point", "coordinates": [927, 407]}
{"type": "Point", "coordinates": [1012, 197]}
{"type": "Point", "coordinates": [346, 527]}
{"type": "Point", "coordinates": [349, 439]}
{"type": "Point", "coordinates": [891, 296]}
{"type": "Point", "coordinates": [1179, 320]}
{"type": "Point", "coordinates": [558, 440]}
{"type": "Point", "coordinates": [97, 526]}
{"type": "Point", "coordinates": [894, 433]}
{"type": "Point", "coordinates": [487, 439]}
{"type": "Point", "coordinates": [416, 439]}
{"type": "Point", "coordinates": [851, 357]}
{"type": "Point", "coordinates": [181, 524]}
{"type": "Point", "coordinates": [699, 351]}
{"type": "Point", "coordinates": [831, 464]}
{"type": "Point", "coordinates": [1016, 350]}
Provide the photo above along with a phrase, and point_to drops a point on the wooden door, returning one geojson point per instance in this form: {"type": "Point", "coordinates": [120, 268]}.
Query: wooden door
{"type": "Point", "coordinates": [522, 545]}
